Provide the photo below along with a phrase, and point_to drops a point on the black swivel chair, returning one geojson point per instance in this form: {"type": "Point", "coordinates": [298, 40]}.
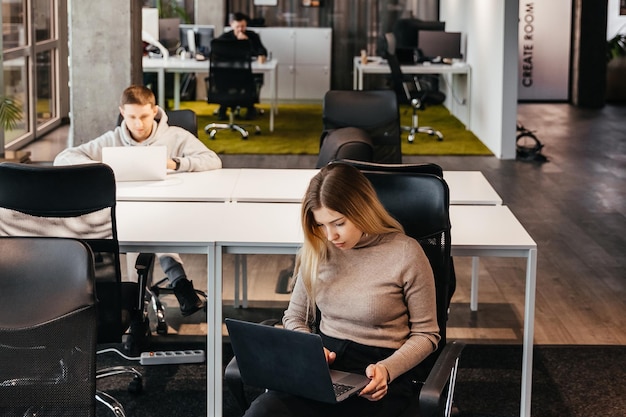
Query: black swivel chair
{"type": "Point", "coordinates": [420, 202]}
{"type": "Point", "coordinates": [408, 90]}
{"type": "Point", "coordinates": [79, 202]}
{"type": "Point", "coordinates": [374, 111]}
{"type": "Point", "coordinates": [48, 329]}
{"type": "Point", "coordinates": [184, 118]}
{"type": "Point", "coordinates": [231, 83]}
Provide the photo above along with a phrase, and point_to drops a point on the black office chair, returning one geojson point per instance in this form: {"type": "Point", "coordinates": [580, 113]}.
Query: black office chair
{"type": "Point", "coordinates": [231, 83]}
{"type": "Point", "coordinates": [374, 111]}
{"type": "Point", "coordinates": [408, 90]}
{"type": "Point", "coordinates": [422, 168]}
{"type": "Point", "coordinates": [184, 118]}
{"type": "Point", "coordinates": [79, 202]}
{"type": "Point", "coordinates": [345, 143]}
{"type": "Point", "coordinates": [420, 202]}
{"type": "Point", "coordinates": [48, 329]}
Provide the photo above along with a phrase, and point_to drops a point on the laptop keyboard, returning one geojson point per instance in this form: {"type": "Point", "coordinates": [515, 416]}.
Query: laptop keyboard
{"type": "Point", "coordinates": [341, 389]}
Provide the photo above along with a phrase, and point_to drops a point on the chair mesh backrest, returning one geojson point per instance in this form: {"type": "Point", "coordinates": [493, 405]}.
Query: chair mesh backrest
{"type": "Point", "coordinates": [420, 202]}
{"type": "Point", "coordinates": [47, 328]}
{"type": "Point", "coordinates": [231, 81]}
{"type": "Point", "coordinates": [374, 111]}
{"type": "Point", "coordinates": [70, 201]}
{"type": "Point", "coordinates": [405, 91]}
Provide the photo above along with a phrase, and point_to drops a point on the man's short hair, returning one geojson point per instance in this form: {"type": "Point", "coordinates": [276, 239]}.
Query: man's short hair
{"type": "Point", "coordinates": [238, 17]}
{"type": "Point", "coordinates": [138, 94]}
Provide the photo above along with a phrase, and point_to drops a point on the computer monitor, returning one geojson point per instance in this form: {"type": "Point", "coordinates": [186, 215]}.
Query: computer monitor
{"type": "Point", "coordinates": [444, 45]}
{"type": "Point", "coordinates": [203, 35]}
{"type": "Point", "coordinates": [407, 31]}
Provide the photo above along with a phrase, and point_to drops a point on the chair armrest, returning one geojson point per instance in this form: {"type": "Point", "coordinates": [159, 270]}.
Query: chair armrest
{"type": "Point", "coordinates": [432, 399]}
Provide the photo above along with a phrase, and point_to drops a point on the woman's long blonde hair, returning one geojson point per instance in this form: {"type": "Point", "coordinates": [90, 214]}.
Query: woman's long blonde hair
{"type": "Point", "coordinates": [344, 189]}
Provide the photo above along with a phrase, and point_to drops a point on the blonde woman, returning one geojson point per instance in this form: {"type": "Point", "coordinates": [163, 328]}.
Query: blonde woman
{"type": "Point", "coordinates": [367, 288]}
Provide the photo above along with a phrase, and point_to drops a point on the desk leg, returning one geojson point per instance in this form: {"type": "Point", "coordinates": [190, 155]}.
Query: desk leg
{"type": "Point", "coordinates": [360, 86]}
{"type": "Point", "coordinates": [214, 334]}
{"type": "Point", "coordinates": [161, 87]}
{"type": "Point", "coordinates": [474, 284]}
{"type": "Point", "coordinates": [274, 104]}
{"type": "Point", "coordinates": [176, 90]}
{"type": "Point", "coordinates": [529, 330]}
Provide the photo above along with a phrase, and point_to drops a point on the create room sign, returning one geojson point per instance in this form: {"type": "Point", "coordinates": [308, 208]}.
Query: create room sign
{"type": "Point", "coordinates": [544, 49]}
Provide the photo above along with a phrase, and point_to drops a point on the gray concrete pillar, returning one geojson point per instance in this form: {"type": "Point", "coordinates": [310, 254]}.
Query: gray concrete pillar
{"type": "Point", "coordinates": [104, 58]}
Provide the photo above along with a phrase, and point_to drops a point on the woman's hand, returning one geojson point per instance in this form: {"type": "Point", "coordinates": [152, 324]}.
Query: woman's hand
{"type": "Point", "coordinates": [377, 388]}
{"type": "Point", "coordinates": [330, 356]}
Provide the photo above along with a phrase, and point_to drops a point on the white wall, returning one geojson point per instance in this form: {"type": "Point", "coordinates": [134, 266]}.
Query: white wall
{"type": "Point", "coordinates": [544, 49]}
{"type": "Point", "coordinates": [491, 33]}
{"type": "Point", "coordinates": [616, 23]}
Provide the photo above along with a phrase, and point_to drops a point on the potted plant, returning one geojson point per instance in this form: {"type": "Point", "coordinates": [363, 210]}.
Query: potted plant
{"type": "Point", "coordinates": [170, 8]}
{"type": "Point", "coordinates": [10, 114]}
{"type": "Point", "coordinates": [616, 68]}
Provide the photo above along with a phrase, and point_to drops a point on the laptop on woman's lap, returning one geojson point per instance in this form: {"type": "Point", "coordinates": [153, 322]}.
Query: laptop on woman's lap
{"type": "Point", "coordinates": [289, 361]}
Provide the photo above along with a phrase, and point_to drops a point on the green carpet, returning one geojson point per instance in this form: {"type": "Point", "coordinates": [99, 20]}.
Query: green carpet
{"type": "Point", "coordinates": [297, 129]}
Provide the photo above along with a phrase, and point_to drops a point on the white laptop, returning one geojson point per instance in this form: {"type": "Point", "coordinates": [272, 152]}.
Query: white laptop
{"type": "Point", "coordinates": [136, 163]}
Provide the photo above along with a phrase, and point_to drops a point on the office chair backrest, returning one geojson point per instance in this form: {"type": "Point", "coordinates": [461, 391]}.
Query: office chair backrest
{"type": "Point", "coordinates": [184, 118]}
{"type": "Point", "coordinates": [345, 142]}
{"type": "Point", "coordinates": [425, 168]}
{"type": "Point", "coordinates": [69, 201]}
{"type": "Point", "coordinates": [374, 111]}
{"type": "Point", "coordinates": [405, 91]}
{"type": "Point", "coordinates": [231, 81]}
{"type": "Point", "coordinates": [47, 327]}
{"type": "Point", "coordinates": [420, 202]}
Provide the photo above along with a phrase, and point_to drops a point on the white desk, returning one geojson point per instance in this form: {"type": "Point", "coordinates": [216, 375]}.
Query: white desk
{"type": "Point", "coordinates": [271, 228]}
{"type": "Point", "coordinates": [176, 65]}
{"type": "Point", "coordinates": [377, 65]}
{"type": "Point", "coordinates": [289, 185]}
{"type": "Point", "coordinates": [216, 185]}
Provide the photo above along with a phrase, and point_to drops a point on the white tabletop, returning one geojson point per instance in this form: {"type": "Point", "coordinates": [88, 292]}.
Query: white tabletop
{"type": "Point", "coordinates": [483, 228]}
{"type": "Point", "coordinates": [272, 185]}
{"type": "Point", "coordinates": [470, 188]}
{"type": "Point", "coordinates": [215, 185]}
{"type": "Point", "coordinates": [378, 65]}
{"type": "Point", "coordinates": [276, 186]}
{"type": "Point", "coordinates": [176, 64]}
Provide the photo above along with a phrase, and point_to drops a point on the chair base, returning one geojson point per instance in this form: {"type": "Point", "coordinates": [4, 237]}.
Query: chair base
{"type": "Point", "coordinates": [423, 129]}
{"type": "Point", "coordinates": [212, 128]}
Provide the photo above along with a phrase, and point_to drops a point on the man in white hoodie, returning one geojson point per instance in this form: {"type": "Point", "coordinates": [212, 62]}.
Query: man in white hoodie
{"type": "Point", "coordinates": [145, 124]}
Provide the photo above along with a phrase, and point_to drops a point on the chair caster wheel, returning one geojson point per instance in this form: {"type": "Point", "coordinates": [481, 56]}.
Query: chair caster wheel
{"type": "Point", "coordinates": [135, 386]}
{"type": "Point", "coordinates": [161, 328]}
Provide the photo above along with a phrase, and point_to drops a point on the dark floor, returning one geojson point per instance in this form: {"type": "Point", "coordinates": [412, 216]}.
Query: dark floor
{"type": "Point", "coordinates": [574, 206]}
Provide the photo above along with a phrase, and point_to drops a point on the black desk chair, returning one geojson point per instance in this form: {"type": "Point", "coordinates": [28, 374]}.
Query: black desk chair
{"type": "Point", "coordinates": [47, 327]}
{"type": "Point", "coordinates": [231, 83]}
{"type": "Point", "coordinates": [79, 202]}
{"type": "Point", "coordinates": [408, 90]}
{"type": "Point", "coordinates": [184, 118]}
{"type": "Point", "coordinates": [373, 111]}
{"type": "Point", "coordinates": [420, 202]}
{"type": "Point", "coordinates": [48, 349]}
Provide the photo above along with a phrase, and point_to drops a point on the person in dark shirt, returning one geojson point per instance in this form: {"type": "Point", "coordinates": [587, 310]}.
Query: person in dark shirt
{"type": "Point", "coordinates": [240, 32]}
